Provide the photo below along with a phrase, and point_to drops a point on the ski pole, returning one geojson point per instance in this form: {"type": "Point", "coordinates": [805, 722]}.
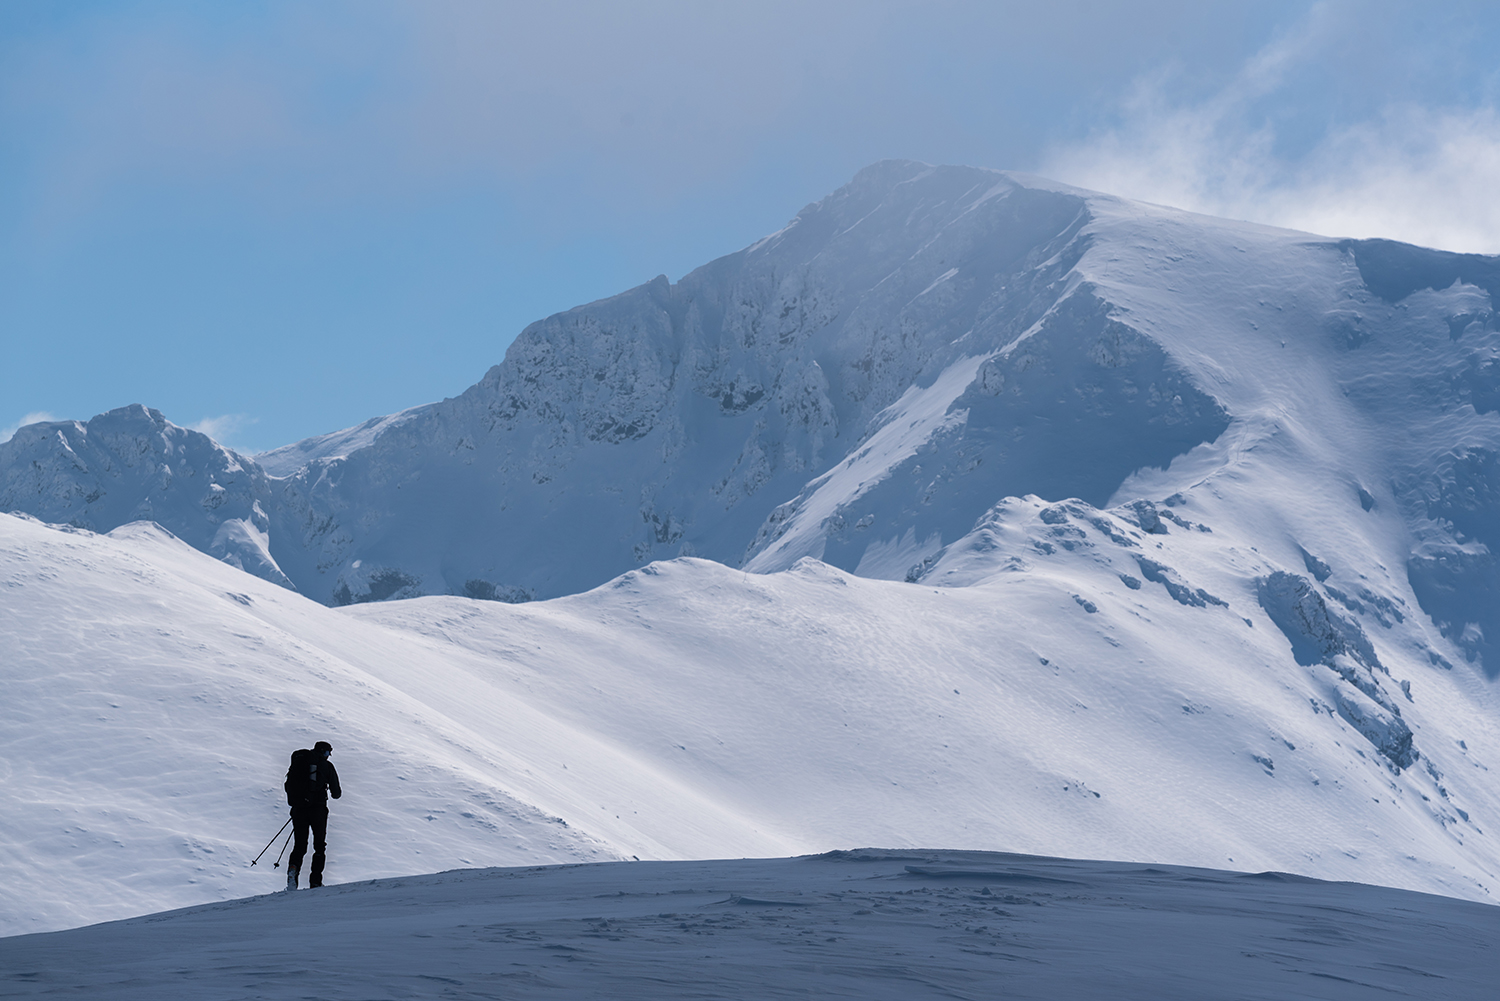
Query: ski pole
{"type": "Point", "coordinates": [271, 842]}
{"type": "Point", "coordinates": [283, 849]}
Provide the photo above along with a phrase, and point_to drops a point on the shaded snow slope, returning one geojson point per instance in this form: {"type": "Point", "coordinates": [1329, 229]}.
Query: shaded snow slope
{"type": "Point", "coordinates": [692, 710]}
{"type": "Point", "coordinates": [868, 924]}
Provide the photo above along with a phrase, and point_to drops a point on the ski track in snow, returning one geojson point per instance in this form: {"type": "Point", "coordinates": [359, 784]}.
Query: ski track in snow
{"type": "Point", "coordinates": [868, 924]}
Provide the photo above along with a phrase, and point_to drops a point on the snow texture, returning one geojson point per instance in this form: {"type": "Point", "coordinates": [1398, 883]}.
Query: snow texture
{"type": "Point", "coordinates": [867, 924]}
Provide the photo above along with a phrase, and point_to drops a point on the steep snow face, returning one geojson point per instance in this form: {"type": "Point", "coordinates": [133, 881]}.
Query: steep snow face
{"type": "Point", "coordinates": [1069, 409]}
{"type": "Point", "coordinates": [132, 464]}
{"type": "Point", "coordinates": [678, 420]}
{"type": "Point", "coordinates": [672, 419]}
{"type": "Point", "coordinates": [1120, 683]}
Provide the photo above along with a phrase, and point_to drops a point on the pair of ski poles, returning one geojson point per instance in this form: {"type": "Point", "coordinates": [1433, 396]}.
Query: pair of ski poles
{"type": "Point", "coordinates": [272, 842]}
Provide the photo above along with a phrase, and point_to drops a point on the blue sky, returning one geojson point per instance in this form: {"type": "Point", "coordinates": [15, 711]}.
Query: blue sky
{"type": "Point", "coordinates": [275, 219]}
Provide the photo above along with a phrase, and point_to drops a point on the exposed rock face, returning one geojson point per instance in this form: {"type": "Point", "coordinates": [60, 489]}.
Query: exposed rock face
{"type": "Point", "coordinates": [1320, 635]}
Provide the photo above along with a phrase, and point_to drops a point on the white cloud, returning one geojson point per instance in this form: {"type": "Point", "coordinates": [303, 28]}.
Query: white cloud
{"type": "Point", "coordinates": [35, 417]}
{"type": "Point", "coordinates": [223, 427]}
{"type": "Point", "coordinates": [1424, 175]}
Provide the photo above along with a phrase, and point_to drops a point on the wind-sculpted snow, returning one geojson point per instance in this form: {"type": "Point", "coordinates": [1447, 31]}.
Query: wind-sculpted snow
{"type": "Point", "coordinates": [1031, 691]}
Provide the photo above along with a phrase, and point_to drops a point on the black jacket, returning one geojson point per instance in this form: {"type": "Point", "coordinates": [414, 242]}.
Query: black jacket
{"type": "Point", "coordinates": [310, 779]}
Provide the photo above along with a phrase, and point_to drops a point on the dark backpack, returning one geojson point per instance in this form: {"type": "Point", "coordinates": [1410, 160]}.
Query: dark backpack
{"type": "Point", "coordinates": [302, 784]}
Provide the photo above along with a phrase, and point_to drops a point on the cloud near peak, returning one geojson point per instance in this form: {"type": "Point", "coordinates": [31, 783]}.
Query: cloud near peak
{"type": "Point", "coordinates": [1423, 173]}
{"type": "Point", "coordinates": [35, 417]}
{"type": "Point", "coordinates": [223, 427]}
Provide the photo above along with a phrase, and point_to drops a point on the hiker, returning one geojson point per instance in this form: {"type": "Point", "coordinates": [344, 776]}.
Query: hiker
{"type": "Point", "coordinates": [309, 780]}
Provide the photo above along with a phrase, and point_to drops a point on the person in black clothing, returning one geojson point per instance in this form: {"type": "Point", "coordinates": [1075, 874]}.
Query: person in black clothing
{"type": "Point", "coordinates": [309, 780]}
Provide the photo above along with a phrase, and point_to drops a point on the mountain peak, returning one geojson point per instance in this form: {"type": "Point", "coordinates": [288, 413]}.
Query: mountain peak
{"type": "Point", "coordinates": [864, 385]}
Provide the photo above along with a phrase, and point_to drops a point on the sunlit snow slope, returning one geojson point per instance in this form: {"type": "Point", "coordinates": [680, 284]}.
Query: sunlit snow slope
{"type": "Point", "coordinates": [693, 710]}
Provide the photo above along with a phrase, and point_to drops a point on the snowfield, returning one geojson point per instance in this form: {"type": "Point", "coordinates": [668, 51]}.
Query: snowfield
{"type": "Point", "coordinates": [866, 924]}
{"type": "Point", "coordinates": [690, 710]}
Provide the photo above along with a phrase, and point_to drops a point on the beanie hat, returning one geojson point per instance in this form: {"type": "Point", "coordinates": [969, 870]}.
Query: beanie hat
{"type": "Point", "coordinates": [321, 746]}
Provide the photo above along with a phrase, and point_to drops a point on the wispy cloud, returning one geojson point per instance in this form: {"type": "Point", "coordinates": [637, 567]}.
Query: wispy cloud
{"type": "Point", "coordinates": [224, 427]}
{"type": "Point", "coordinates": [1411, 172]}
{"type": "Point", "coordinates": [35, 417]}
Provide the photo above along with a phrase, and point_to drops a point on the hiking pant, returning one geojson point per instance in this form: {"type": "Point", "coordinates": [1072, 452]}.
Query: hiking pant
{"type": "Point", "coordinates": [315, 817]}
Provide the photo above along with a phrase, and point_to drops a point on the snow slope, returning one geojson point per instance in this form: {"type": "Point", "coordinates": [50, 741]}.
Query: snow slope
{"type": "Point", "coordinates": [692, 710]}
{"type": "Point", "coordinates": [866, 924]}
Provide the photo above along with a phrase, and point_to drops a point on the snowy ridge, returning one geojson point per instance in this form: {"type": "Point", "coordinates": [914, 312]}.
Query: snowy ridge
{"type": "Point", "coordinates": [288, 459]}
{"type": "Point", "coordinates": [132, 464]}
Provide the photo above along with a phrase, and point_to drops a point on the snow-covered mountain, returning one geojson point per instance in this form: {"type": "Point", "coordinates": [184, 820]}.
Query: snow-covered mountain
{"type": "Point", "coordinates": [676, 419]}
{"type": "Point", "coordinates": [863, 386]}
{"type": "Point", "coordinates": [132, 464]}
{"type": "Point", "coordinates": [1075, 526]}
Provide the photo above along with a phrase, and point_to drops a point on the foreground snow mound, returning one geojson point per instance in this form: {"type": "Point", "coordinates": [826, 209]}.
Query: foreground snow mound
{"type": "Point", "coordinates": [1098, 701]}
{"type": "Point", "coordinates": [868, 924]}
